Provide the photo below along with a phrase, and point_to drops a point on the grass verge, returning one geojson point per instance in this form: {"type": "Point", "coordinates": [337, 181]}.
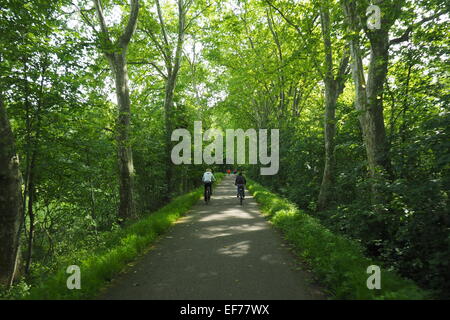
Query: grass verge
{"type": "Point", "coordinates": [116, 251]}
{"type": "Point", "coordinates": [338, 262]}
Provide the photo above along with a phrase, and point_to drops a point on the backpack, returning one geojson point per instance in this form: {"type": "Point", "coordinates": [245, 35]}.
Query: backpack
{"type": "Point", "coordinates": [240, 180]}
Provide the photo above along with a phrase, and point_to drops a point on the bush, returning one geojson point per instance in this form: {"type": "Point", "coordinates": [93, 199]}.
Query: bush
{"type": "Point", "coordinates": [338, 261]}
{"type": "Point", "coordinates": [116, 250]}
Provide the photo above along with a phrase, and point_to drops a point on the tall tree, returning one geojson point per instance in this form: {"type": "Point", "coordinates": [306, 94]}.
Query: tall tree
{"type": "Point", "coordinates": [115, 52]}
{"type": "Point", "coordinates": [11, 213]}
{"type": "Point", "coordinates": [334, 85]}
{"type": "Point", "coordinates": [369, 95]}
{"type": "Point", "coordinates": [172, 55]}
{"type": "Point", "coordinates": [333, 76]}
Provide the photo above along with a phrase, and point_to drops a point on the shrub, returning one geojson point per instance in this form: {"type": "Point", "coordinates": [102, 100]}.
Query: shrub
{"type": "Point", "coordinates": [338, 261]}
{"type": "Point", "coordinates": [116, 249]}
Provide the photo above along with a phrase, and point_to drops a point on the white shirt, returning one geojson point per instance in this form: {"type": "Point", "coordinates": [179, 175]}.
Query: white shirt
{"type": "Point", "coordinates": [208, 177]}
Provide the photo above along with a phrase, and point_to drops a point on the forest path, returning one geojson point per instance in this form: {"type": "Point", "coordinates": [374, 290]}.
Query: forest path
{"type": "Point", "coordinates": [217, 251]}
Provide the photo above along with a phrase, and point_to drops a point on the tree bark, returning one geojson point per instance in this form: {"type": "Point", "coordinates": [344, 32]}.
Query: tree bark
{"type": "Point", "coordinates": [125, 155]}
{"type": "Point", "coordinates": [11, 212]}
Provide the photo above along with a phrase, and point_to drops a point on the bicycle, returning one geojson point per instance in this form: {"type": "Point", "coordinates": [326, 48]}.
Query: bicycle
{"type": "Point", "coordinates": [207, 194]}
{"type": "Point", "coordinates": [241, 193]}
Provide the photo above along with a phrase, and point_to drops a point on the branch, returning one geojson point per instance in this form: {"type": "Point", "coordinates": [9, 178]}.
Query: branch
{"type": "Point", "coordinates": [343, 70]}
{"type": "Point", "coordinates": [196, 16]}
{"type": "Point", "coordinates": [131, 26]}
{"type": "Point", "coordinates": [77, 10]}
{"type": "Point", "coordinates": [84, 18]}
{"type": "Point", "coordinates": [181, 28]}
{"type": "Point", "coordinates": [157, 44]}
{"type": "Point", "coordinates": [187, 5]}
{"type": "Point", "coordinates": [405, 36]}
{"type": "Point", "coordinates": [289, 21]}
{"type": "Point", "coordinates": [186, 56]}
{"type": "Point", "coordinates": [159, 70]}
{"type": "Point", "coordinates": [326, 38]}
{"type": "Point", "coordinates": [152, 64]}
{"type": "Point", "coordinates": [161, 21]}
{"type": "Point", "coordinates": [243, 18]}
{"type": "Point", "coordinates": [299, 31]}
{"type": "Point", "coordinates": [101, 18]}
{"type": "Point", "coordinates": [274, 35]}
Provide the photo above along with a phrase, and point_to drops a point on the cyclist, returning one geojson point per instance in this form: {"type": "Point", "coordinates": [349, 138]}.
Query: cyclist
{"type": "Point", "coordinates": [208, 178]}
{"type": "Point", "coordinates": [240, 183]}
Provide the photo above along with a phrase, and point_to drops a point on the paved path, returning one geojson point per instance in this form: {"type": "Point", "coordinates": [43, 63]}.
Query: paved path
{"type": "Point", "coordinates": [217, 251]}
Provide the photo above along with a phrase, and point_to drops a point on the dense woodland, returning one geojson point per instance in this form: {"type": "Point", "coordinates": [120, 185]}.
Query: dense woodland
{"type": "Point", "coordinates": [90, 92]}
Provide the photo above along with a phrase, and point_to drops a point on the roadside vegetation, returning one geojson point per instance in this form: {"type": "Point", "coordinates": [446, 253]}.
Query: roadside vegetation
{"type": "Point", "coordinates": [338, 262]}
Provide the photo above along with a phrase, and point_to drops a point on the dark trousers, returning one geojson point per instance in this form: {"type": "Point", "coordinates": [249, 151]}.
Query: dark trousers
{"type": "Point", "coordinates": [208, 185]}
{"type": "Point", "coordinates": [243, 189]}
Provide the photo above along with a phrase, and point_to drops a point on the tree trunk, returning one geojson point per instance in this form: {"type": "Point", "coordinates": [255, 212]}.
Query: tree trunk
{"type": "Point", "coordinates": [31, 190]}
{"type": "Point", "coordinates": [125, 155]}
{"type": "Point", "coordinates": [371, 120]}
{"type": "Point", "coordinates": [369, 97]}
{"type": "Point", "coordinates": [375, 132]}
{"type": "Point", "coordinates": [326, 188]}
{"type": "Point", "coordinates": [333, 88]}
{"type": "Point", "coordinates": [10, 201]}
{"type": "Point", "coordinates": [168, 120]}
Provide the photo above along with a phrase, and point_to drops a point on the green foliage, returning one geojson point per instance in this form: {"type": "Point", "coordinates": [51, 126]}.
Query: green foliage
{"type": "Point", "coordinates": [246, 64]}
{"type": "Point", "coordinates": [114, 250]}
{"type": "Point", "coordinates": [338, 262]}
